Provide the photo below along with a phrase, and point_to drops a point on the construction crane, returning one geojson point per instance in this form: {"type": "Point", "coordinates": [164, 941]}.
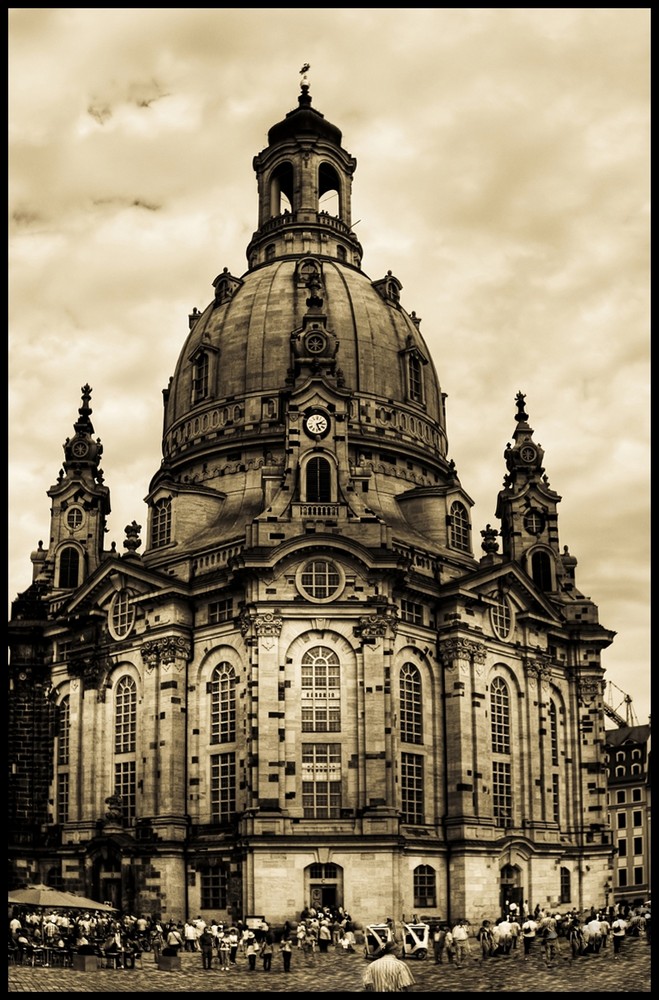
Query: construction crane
{"type": "Point", "coordinates": [614, 694]}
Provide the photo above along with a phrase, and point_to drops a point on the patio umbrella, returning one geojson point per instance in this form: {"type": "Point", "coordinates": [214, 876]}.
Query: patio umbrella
{"type": "Point", "coordinates": [42, 897]}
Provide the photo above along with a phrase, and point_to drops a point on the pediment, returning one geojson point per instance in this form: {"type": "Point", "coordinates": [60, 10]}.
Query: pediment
{"type": "Point", "coordinates": [510, 579]}
{"type": "Point", "coordinates": [114, 575]}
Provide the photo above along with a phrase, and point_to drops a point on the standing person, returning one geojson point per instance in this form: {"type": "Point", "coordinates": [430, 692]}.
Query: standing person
{"type": "Point", "coordinates": [233, 945]}
{"type": "Point", "coordinates": [461, 942]}
{"type": "Point", "coordinates": [550, 940]}
{"type": "Point", "coordinates": [529, 931]}
{"type": "Point", "coordinates": [438, 943]}
{"type": "Point", "coordinates": [324, 936]}
{"type": "Point", "coordinates": [618, 930]}
{"type": "Point", "coordinates": [266, 951]}
{"type": "Point", "coordinates": [206, 942]}
{"type": "Point", "coordinates": [251, 950]}
{"type": "Point", "coordinates": [388, 974]}
{"type": "Point", "coordinates": [484, 935]}
{"type": "Point", "coordinates": [286, 948]}
{"type": "Point", "coordinates": [173, 941]}
{"type": "Point", "coordinates": [223, 950]}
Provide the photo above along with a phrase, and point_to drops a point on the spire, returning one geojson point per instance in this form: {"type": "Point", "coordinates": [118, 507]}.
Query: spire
{"type": "Point", "coordinates": [81, 452]}
{"type": "Point", "coordinates": [524, 457]}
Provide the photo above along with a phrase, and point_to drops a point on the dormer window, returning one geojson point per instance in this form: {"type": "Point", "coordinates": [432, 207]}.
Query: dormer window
{"type": "Point", "coordinates": [459, 527]}
{"type": "Point", "coordinates": [161, 523]}
{"type": "Point", "coordinates": [318, 481]}
{"type": "Point", "coordinates": [414, 379]}
{"type": "Point", "coordinates": [69, 567]}
{"type": "Point", "coordinates": [200, 370]}
{"type": "Point", "coordinates": [413, 361]}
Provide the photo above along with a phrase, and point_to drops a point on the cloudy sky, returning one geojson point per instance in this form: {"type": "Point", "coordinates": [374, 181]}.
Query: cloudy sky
{"type": "Point", "coordinates": [503, 176]}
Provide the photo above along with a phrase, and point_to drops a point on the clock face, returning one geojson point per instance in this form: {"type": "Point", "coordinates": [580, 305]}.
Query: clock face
{"type": "Point", "coordinates": [528, 454]}
{"type": "Point", "coordinates": [316, 424]}
{"type": "Point", "coordinates": [79, 449]}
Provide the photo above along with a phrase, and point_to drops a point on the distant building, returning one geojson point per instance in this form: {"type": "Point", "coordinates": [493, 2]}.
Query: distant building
{"type": "Point", "coordinates": [629, 801]}
{"type": "Point", "coordinates": [312, 687]}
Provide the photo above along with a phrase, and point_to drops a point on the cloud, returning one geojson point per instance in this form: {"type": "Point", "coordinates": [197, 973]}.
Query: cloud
{"type": "Point", "coordinates": [502, 175]}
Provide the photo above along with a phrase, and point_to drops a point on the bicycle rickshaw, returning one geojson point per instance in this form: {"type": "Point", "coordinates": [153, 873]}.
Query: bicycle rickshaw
{"type": "Point", "coordinates": [375, 939]}
{"type": "Point", "coordinates": [416, 939]}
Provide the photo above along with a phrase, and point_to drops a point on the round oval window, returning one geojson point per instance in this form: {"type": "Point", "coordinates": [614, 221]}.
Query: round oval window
{"type": "Point", "coordinates": [320, 580]}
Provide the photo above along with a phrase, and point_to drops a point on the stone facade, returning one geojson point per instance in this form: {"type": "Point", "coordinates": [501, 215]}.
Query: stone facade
{"type": "Point", "coordinates": [307, 689]}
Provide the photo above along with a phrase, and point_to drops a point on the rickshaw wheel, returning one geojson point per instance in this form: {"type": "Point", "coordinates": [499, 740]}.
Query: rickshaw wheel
{"type": "Point", "coordinates": [421, 953]}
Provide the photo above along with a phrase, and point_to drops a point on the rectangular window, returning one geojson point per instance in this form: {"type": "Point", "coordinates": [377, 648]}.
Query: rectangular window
{"type": "Point", "coordinates": [411, 788]}
{"type": "Point", "coordinates": [622, 820]}
{"type": "Point", "coordinates": [214, 889]}
{"type": "Point", "coordinates": [637, 818]}
{"type": "Point", "coordinates": [415, 378]}
{"type": "Point", "coordinates": [622, 848]}
{"type": "Point", "coordinates": [124, 787]}
{"type": "Point", "coordinates": [220, 611]}
{"type": "Point", "coordinates": [321, 780]}
{"type": "Point", "coordinates": [555, 797]}
{"type": "Point", "coordinates": [62, 797]}
{"type": "Point", "coordinates": [502, 795]}
{"type": "Point", "coordinates": [411, 612]}
{"type": "Point", "coordinates": [638, 876]}
{"type": "Point", "coordinates": [620, 797]}
{"type": "Point", "coordinates": [223, 787]}
{"type": "Point", "coordinates": [636, 795]}
{"type": "Point", "coordinates": [622, 878]}
{"type": "Point", "coordinates": [638, 846]}
{"type": "Point", "coordinates": [425, 892]}
{"type": "Point", "coordinates": [321, 696]}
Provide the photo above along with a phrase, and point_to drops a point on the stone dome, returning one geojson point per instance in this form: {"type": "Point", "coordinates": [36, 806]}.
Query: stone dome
{"type": "Point", "coordinates": [248, 336]}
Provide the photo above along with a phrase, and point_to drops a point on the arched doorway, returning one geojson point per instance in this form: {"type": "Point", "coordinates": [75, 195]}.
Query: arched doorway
{"type": "Point", "coordinates": [324, 885]}
{"type": "Point", "coordinates": [511, 890]}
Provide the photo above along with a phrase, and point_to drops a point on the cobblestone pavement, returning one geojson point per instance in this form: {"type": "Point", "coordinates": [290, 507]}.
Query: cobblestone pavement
{"type": "Point", "coordinates": [342, 973]}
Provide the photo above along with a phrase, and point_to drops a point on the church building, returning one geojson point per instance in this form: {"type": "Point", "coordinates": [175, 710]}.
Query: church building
{"type": "Point", "coordinates": [307, 680]}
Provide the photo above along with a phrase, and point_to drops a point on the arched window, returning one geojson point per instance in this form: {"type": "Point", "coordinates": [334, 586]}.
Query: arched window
{"type": "Point", "coordinates": [63, 746]}
{"type": "Point", "coordinates": [161, 523]}
{"type": "Point", "coordinates": [553, 731]}
{"type": "Point", "coordinates": [318, 481]}
{"type": "Point", "coordinates": [222, 689]}
{"type": "Point", "coordinates": [425, 887]}
{"type": "Point", "coordinates": [410, 704]}
{"type": "Point", "coordinates": [122, 614]}
{"type": "Point", "coordinates": [502, 798]}
{"type": "Point", "coordinates": [541, 570]}
{"type": "Point", "coordinates": [459, 527]}
{"type": "Point", "coordinates": [125, 745]}
{"type": "Point", "coordinates": [566, 885]}
{"type": "Point", "coordinates": [501, 616]}
{"type": "Point", "coordinates": [321, 691]}
{"type": "Point", "coordinates": [200, 369]}
{"type": "Point", "coordinates": [69, 567]}
{"type": "Point", "coordinates": [500, 716]}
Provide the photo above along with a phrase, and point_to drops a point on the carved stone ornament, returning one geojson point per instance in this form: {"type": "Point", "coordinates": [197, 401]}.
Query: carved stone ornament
{"type": "Point", "coordinates": [268, 624]}
{"type": "Point", "coordinates": [451, 651]}
{"type": "Point", "coordinates": [93, 669]}
{"type": "Point", "coordinates": [590, 689]}
{"type": "Point", "coordinates": [375, 626]}
{"type": "Point", "coordinates": [173, 649]}
{"type": "Point", "coordinates": [538, 669]}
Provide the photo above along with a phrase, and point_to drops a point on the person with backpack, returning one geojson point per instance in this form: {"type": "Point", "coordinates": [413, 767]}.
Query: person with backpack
{"type": "Point", "coordinates": [173, 941]}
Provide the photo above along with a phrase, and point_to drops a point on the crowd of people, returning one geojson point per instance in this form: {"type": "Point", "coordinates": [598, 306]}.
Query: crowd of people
{"type": "Point", "coordinates": [254, 943]}
{"type": "Point", "coordinates": [548, 931]}
{"type": "Point", "coordinates": [219, 944]}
